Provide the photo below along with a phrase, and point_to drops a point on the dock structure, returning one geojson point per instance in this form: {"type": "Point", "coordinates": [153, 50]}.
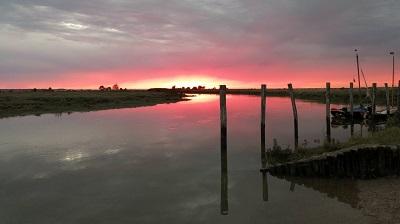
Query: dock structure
{"type": "Point", "coordinates": [358, 162]}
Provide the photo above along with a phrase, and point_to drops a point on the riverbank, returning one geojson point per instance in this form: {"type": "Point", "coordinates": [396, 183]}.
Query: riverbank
{"type": "Point", "coordinates": [387, 136]}
{"type": "Point", "coordinates": [29, 102]}
{"type": "Point", "coordinates": [377, 199]}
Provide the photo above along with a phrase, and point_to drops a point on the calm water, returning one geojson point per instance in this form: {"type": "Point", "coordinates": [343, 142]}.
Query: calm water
{"type": "Point", "coordinates": [161, 164]}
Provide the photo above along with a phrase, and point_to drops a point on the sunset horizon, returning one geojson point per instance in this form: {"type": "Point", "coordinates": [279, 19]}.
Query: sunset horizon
{"type": "Point", "coordinates": [199, 111]}
{"type": "Point", "coordinates": [237, 43]}
{"type": "Point", "coordinates": [192, 81]}
{"type": "Point", "coordinates": [163, 79]}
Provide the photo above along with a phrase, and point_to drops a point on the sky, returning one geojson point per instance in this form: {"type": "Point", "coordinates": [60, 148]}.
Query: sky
{"type": "Point", "coordinates": [161, 43]}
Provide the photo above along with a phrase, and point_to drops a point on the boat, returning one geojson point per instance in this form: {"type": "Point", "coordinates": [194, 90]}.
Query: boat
{"type": "Point", "coordinates": [383, 115]}
{"type": "Point", "coordinates": [359, 113]}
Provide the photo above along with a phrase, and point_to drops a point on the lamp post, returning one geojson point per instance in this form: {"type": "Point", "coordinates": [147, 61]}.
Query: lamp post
{"type": "Point", "coordinates": [392, 53]}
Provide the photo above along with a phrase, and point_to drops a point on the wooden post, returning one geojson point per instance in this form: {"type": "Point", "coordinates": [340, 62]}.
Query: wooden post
{"type": "Point", "coordinates": [296, 123]}
{"type": "Point", "coordinates": [351, 109]}
{"type": "Point", "coordinates": [373, 100]}
{"type": "Point", "coordinates": [398, 97]}
{"type": "Point", "coordinates": [224, 156]}
{"type": "Point", "coordinates": [263, 118]}
{"type": "Point", "coordinates": [328, 112]}
{"type": "Point", "coordinates": [351, 101]}
{"type": "Point", "coordinates": [387, 99]}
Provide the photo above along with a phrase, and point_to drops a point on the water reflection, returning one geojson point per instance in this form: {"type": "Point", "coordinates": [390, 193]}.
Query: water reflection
{"type": "Point", "coordinates": [343, 190]}
{"type": "Point", "coordinates": [72, 156]}
{"type": "Point", "coordinates": [202, 98]}
{"type": "Point", "coordinates": [265, 185]}
{"type": "Point", "coordinates": [159, 163]}
{"type": "Point", "coordinates": [224, 183]}
{"type": "Point", "coordinates": [292, 186]}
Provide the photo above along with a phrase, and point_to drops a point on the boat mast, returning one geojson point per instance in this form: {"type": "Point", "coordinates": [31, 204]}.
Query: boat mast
{"type": "Point", "coordinates": [366, 84]}
{"type": "Point", "coordinates": [358, 74]}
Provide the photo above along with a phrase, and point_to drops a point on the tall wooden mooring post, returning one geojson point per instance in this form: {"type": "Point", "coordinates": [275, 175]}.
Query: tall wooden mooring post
{"type": "Point", "coordinates": [295, 116]}
{"type": "Point", "coordinates": [224, 153]}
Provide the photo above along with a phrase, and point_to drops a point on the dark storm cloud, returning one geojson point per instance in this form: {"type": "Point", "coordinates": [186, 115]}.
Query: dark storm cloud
{"type": "Point", "coordinates": [42, 39]}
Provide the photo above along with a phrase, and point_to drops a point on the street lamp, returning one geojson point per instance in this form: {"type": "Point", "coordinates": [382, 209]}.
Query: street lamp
{"type": "Point", "coordinates": [392, 53]}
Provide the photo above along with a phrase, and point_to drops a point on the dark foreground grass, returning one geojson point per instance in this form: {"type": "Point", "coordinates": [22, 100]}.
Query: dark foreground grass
{"type": "Point", "coordinates": [27, 102]}
{"type": "Point", "coordinates": [387, 136]}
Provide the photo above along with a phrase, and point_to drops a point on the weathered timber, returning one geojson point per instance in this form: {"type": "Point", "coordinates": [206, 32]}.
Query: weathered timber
{"type": "Point", "coordinates": [224, 156]}
{"type": "Point", "coordinates": [387, 99]}
{"type": "Point", "coordinates": [328, 112]}
{"type": "Point", "coordinates": [263, 118]}
{"type": "Point", "coordinates": [372, 116]}
{"type": "Point", "coordinates": [398, 97]}
{"type": "Point", "coordinates": [373, 99]}
{"type": "Point", "coordinates": [358, 162]}
{"type": "Point", "coordinates": [351, 101]}
{"type": "Point", "coordinates": [295, 117]}
{"type": "Point", "coordinates": [351, 109]}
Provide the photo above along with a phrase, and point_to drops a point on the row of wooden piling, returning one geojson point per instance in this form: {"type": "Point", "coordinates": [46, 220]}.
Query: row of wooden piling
{"type": "Point", "coordinates": [351, 102]}
{"type": "Point", "coordinates": [295, 113]}
{"type": "Point", "coordinates": [328, 113]}
{"type": "Point", "coordinates": [361, 162]}
{"type": "Point", "coordinates": [365, 165]}
{"type": "Point", "coordinates": [387, 97]}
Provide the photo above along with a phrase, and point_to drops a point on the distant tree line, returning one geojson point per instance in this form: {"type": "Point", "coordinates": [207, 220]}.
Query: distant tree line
{"type": "Point", "coordinates": [49, 89]}
{"type": "Point", "coordinates": [188, 88]}
{"type": "Point", "coordinates": [115, 87]}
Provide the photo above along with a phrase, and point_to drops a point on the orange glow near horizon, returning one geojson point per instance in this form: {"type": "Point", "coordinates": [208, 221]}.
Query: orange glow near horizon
{"type": "Point", "coordinates": [210, 82]}
{"type": "Point", "coordinates": [91, 82]}
{"type": "Point", "coordinates": [183, 81]}
{"type": "Point", "coordinates": [338, 78]}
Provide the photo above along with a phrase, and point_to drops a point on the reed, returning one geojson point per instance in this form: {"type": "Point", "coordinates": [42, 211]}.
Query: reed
{"type": "Point", "coordinates": [27, 102]}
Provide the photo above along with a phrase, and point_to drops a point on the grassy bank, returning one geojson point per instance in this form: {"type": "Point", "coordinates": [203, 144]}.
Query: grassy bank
{"type": "Point", "coordinates": [387, 136]}
{"type": "Point", "coordinates": [27, 102]}
{"type": "Point", "coordinates": [338, 95]}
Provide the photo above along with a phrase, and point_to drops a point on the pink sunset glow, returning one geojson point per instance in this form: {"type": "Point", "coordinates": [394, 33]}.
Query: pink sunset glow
{"type": "Point", "coordinates": [189, 43]}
